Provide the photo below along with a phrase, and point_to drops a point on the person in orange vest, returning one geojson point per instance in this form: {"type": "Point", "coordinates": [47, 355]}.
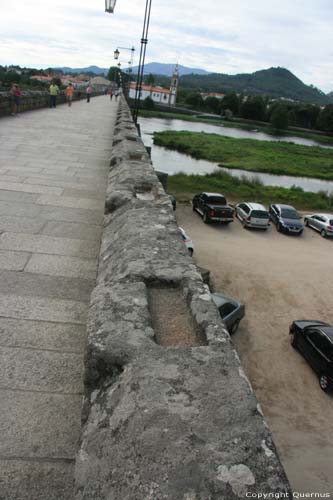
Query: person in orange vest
{"type": "Point", "coordinates": [69, 93]}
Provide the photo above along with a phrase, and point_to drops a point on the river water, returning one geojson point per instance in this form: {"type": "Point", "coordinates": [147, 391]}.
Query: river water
{"type": "Point", "coordinates": [173, 162]}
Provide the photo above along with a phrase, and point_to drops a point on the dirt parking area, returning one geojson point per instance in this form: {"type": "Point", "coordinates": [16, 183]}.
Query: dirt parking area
{"type": "Point", "coordinates": [280, 278]}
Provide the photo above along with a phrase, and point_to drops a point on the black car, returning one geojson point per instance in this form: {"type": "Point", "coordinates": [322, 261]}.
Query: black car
{"type": "Point", "coordinates": [286, 219]}
{"type": "Point", "coordinates": [213, 207]}
{"type": "Point", "coordinates": [314, 340]}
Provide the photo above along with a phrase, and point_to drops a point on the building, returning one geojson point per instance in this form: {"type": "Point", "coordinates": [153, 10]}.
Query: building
{"type": "Point", "coordinates": [100, 83]}
{"type": "Point", "coordinates": [218, 95]}
{"type": "Point", "coordinates": [158, 94]}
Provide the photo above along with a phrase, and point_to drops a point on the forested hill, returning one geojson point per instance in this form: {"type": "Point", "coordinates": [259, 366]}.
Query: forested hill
{"type": "Point", "coordinates": [273, 82]}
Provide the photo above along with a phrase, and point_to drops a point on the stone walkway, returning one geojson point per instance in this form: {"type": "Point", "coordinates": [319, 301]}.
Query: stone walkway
{"type": "Point", "coordinates": [53, 167]}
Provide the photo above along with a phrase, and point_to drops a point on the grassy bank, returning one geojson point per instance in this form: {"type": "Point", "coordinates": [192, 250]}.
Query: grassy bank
{"type": "Point", "coordinates": [238, 123]}
{"type": "Point", "coordinates": [185, 186]}
{"type": "Point", "coordinates": [280, 158]}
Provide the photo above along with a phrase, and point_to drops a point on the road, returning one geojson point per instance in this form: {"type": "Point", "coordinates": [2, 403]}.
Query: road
{"type": "Point", "coordinates": [280, 278]}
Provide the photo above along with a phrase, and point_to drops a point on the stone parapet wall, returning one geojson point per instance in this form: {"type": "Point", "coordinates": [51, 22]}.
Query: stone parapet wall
{"type": "Point", "coordinates": [35, 99]}
{"type": "Point", "coordinates": [162, 421]}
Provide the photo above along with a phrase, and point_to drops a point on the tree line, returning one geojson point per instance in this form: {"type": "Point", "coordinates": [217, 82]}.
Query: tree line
{"type": "Point", "coordinates": [260, 108]}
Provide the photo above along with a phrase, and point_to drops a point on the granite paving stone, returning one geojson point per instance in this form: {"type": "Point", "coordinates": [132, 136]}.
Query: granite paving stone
{"type": "Point", "coordinates": [69, 183]}
{"type": "Point", "coordinates": [42, 335]}
{"type": "Point", "coordinates": [29, 188]}
{"type": "Point", "coordinates": [48, 244]}
{"type": "Point", "coordinates": [72, 230]}
{"type": "Point", "coordinates": [41, 370]}
{"type": "Point", "coordinates": [28, 225]}
{"type": "Point", "coordinates": [43, 309]}
{"type": "Point", "coordinates": [18, 209]}
{"type": "Point", "coordinates": [70, 214]}
{"type": "Point", "coordinates": [36, 480]}
{"type": "Point", "coordinates": [13, 261]}
{"type": "Point", "coordinates": [42, 425]}
{"type": "Point", "coordinates": [58, 265]}
{"type": "Point", "coordinates": [85, 193]}
{"type": "Point", "coordinates": [41, 285]}
{"type": "Point", "coordinates": [65, 201]}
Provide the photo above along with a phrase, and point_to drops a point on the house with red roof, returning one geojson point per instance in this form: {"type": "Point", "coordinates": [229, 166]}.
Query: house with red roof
{"type": "Point", "coordinates": [160, 95]}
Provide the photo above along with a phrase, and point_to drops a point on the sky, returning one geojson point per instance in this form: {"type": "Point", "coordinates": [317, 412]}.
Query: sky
{"type": "Point", "coordinates": [238, 36]}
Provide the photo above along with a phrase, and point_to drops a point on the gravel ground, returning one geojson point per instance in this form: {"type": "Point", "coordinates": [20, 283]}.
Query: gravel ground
{"type": "Point", "coordinates": [280, 278]}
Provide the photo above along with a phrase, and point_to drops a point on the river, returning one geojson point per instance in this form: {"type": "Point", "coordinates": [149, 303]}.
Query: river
{"type": "Point", "coordinates": [172, 162]}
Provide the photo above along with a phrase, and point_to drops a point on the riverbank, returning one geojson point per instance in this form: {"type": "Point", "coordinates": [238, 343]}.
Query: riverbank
{"type": "Point", "coordinates": [240, 124]}
{"type": "Point", "coordinates": [279, 158]}
{"type": "Point", "coordinates": [184, 187]}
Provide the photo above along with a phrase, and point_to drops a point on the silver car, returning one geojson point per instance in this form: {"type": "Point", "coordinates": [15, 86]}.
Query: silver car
{"type": "Point", "coordinates": [231, 311]}
{"type": "Point", "coordinates": [252, 215]}
{"type": "Point", "coordinates": [320, 222]}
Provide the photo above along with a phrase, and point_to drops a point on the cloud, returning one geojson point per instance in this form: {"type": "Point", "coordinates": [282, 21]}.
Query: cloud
{"type": "Point", "coordinates": [228, 37]}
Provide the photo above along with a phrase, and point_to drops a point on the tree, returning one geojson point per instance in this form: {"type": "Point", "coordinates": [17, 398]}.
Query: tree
{"type": "Point", "coordinates": [148, 103]}
{"type": "Point", "coordinates": [194, 99]}
{"type": "Point", "coordinates": [212, 104]}
{"type": "Point", "coordinates": [150, 79]}
{"type": "Point", "coordinates": [325, 119]}
{"type": "Point", "coordinates": [113, 74]}
{"type": "Point", "coordinates": [253, 108]}
{"type": "Point", "coordinates": [306, 115]}
{"type": "Point", "coordinates": [279, 118]}
{"type": "Point", "coordinates": [231, 101]}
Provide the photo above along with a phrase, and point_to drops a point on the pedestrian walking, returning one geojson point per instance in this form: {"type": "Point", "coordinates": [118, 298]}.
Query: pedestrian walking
{"type": "Point", "coordinates": [54, 91]}
{"type": "Point", "coordinates": [110, 91]}
{"type": "Point", "coordinates": [15, 99]}
{"type": "Point", "coordinates": [69, 93]}
{"type": "Point", "coordinates": [88, 92]}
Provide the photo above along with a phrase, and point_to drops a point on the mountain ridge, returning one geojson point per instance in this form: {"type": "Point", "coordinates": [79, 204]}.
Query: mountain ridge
{"type": "Point", "coordinates": [275, 82]}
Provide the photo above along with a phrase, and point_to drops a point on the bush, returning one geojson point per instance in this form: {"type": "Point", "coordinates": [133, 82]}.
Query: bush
{"type": "Point", "coordinates": [148, 103]}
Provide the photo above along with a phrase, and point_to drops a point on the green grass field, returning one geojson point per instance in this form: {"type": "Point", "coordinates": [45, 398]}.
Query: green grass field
{"type": "Point", "coordinates": [185, 186]}
{"type": "Point", "coordinates": [279, 158]}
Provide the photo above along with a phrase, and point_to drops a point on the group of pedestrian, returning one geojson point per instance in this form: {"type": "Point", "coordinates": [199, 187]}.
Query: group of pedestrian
{"type": "Point", "coordinates": [54, 91]}
{"type": "Point", "coordinates": [113, 92]}
{"type": "Point", "coordinates": [15, 96]}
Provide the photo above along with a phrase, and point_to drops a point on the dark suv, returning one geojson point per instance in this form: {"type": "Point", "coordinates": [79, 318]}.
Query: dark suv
{"type": "Point", "coordinates": [286, 219]}
{"type": "Point", "coordinates": [314, 340]}
{"type": "Point", "coordinates": [213, 207]}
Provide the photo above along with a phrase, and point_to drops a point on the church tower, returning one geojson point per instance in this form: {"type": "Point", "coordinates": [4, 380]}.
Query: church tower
{"type": "Point", "coordinates": [174, 86]}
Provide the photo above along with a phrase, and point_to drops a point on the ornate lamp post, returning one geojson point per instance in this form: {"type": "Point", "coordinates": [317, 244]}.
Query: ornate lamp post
{"type": "Point", "coordinates": [144, 41]}
{"type": "Point", "coordinates": [130, 64]}
{"type": "Point", "coordinates": [117, 53]}
{"type": "Point", "coordinates": [110, 5]}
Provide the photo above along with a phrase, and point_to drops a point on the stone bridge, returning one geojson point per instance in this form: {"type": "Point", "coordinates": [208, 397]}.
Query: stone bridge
{"type": "Point", "coordinates": [97, 403]}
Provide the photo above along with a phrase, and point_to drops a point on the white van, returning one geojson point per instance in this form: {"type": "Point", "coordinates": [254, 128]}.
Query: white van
{"type": "Point", "coordinates": [252, 215]}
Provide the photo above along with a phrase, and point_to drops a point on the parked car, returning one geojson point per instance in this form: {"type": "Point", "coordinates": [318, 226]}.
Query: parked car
{"type": "Point", "coordinates": [173, 201]}
{"type": "Point", "coordinates": [231, 311]}
{"type": "Point", "coordinates": [314, 340]}
{"type": "Point", "coordinates": [252, 215]}
{"type": "Point", "coordinates": [187, 240]}
{"type": "Point", "coordinates": [213, 207]}
{"type": "Point", "coordinates": [320, 222]}
{"type": "Point", "coordinates": [286, 219]}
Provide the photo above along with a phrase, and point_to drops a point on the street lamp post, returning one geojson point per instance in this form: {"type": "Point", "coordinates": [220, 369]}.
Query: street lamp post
{"type": "Point", "coordinates": [117, 53]}
{"type": "Point", "coordinates": [144, 41]}
{"type": "Point", "coordinates": [130, 64]}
